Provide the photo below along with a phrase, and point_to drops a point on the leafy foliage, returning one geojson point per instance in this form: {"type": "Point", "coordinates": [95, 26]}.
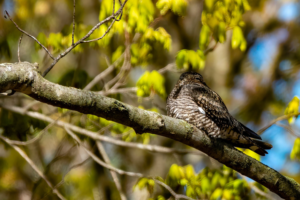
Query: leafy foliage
{"type": "Point", "coordinates": [207, 184]}
{"type": "Point", "coordinates": [177, 6]}
{"type": "Point", "coordinates": [151, 83]}
{"type": "Point", "coordinates": [219, 16]}
{"type": "Point", "coordinates": [189, 59]}
{"type": "Point", "coordinates": [292, 108]}
{"type": "Point", "coordinates": [295, 154]}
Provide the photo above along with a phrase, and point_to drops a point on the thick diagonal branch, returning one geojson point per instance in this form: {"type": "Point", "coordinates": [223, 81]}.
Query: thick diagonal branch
{"type": "Point", "coordinates": [24, 77]}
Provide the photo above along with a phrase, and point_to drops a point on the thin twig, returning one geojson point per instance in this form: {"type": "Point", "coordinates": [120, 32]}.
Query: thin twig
{"type": "Point", "coordinates": [122, 172]}
{"type": "Point", "coordinates": [121, 77]}
{"type": "Point", "coordinates": [39, 135]}
{"type": "Point", "coordinates": [96, 136]}
{"type": "Point", "coordinates": [174, 194]}
{"type": "Point", "coordinates": [113, 174]}
{"type": "Point", "coordinates": [260, 131]}
{"type": "Point", "coordinates": [30, 36]}
{"type": "Point", "coordinates": [207, 51]}
{"type": "Point", "coordinates": [36, 169]}
{"type": "Point", "coordinates": [30, 105]}
{"type": "Point", "coordinates": [255, 188]}
{"type": "Point", "coordinates": [104, 34]}
{"type": "Point", "coordinates": [98, 160]}
{"type": "Point", "coordinates": [73, 31]}
{"type": "Point", "coordinates": [70, 168]}
{"type": "Point", "coordinates": [258, 191]}
{"type": "Point", "coordinates": [104, 73]}
{"type": "Point", "coordinates": [19, 47]}
{"type": "Point", "coordinates": [82, 40]}
{"type": "Point", "coordinates": [288, 128]}
{"type": "Point", "coordinates": [166, 68]}
{"type": "Point", "coordinates": [121, 90]}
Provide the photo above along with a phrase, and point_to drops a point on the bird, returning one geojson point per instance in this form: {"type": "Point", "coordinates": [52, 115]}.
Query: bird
{"type": "Point", "coordinates": [193, 101]}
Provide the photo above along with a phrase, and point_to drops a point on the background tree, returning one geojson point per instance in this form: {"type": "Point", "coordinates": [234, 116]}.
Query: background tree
{"type": "Point", "coordinates": [247, 52]}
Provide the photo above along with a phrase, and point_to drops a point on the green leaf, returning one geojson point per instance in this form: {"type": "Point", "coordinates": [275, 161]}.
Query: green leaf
{"type": "Point", "coordinates": [190, 192]}
{"type": "Point", "coordinates": [295, 153]}
{"type": "Point", "coordinates": [221, 32]}
{"type": "Point", "coordinates": [163, 6]}
{"type": "Point", "coordinates": [174, 172]}
{"type": "Point", "coordinates": [292, 108]}
{"type": "Point", "coordinates": [217, 194]}
{"type": "Point", "coordinates": [179, 6]}
{"type": "Point", "coordinates": [189, 59]}
{"type": "Point", "coordinates": [189, 171]}
{"type": "Point", "coordinates": [238, 39]}
{"type": "Point", "coordinates": [204, 37]}
{"type": "Point", "coordinates": [117, 53]}
{"type": "Point", "coordinates": [150, 83]}
{"type": "Point", "coordinates": [205, 184]}
{"type": "Point", "coordinates": [142, 183]}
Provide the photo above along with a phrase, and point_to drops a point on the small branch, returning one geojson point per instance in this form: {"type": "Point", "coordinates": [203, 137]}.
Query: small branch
{"type": "Point", "coordinates": [288, 128]}
{"type": "Point", "coordinates": [39, 135]}
{"type": "Point", "coordinates": [119, 171]}
{"type": "Point", "coordinates": [94, 40]}
{"type": "Point", "coordinates": [19, 47]}
{"type": "Point", "coordinates": [174, 194]}
{"type": "Point", "coordinates": [207, 51]}
{"type": "Point", "coordinates": [113, 174]}
{"type": "Point", "coordinates": [116, 91]}
{"type": "Point", "coordinates": [30, 36]}
{"type": "Point", "coordinates": [100, 162]}
{"type": "Point", "coordinates": [99, 77]}
{"type": "Point", "coordinates": [36, 169]}
{"type": "Point", "coordinates": [70, 168]}
{"type": "Point", "coordinates": [166, 68]}
{"type": "Point", "coordinates": [104, 73]}
{"type": "Point", "coordinates": [82, 40]}
{"type": "Point", "coordinates": [258, 191]}
{"type": "Point", "coordinates": [73, 31]}
{"type": "Point", "coordinates": [260, 131]}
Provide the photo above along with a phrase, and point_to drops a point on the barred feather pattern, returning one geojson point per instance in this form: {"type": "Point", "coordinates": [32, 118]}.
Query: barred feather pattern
{"type": "Point", "coordinates": [193, 101]}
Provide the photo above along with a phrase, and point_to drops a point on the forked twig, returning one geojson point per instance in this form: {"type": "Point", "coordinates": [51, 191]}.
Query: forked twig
{"type": "Point", "coordinates": [29, 35]}
{"type": "Point", "coordinates": [83, 39]}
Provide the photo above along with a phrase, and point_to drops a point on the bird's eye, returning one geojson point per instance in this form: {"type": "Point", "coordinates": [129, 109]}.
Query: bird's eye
{"type": "Point", "coordinates": [198, 79]}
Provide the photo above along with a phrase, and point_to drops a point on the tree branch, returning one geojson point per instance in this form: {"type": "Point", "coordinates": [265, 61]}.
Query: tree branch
{"type": "Point", "coordinates": [24, 77]}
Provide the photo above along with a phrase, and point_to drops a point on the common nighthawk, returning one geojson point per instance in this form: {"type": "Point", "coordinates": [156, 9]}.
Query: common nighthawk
{"type": "Point", "coordinates": [193, 101]}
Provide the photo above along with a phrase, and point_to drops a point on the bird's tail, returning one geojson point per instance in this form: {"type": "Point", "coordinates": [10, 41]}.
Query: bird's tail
{"type": "Point", "coordinates": [260, 147]}
{"type": "Point", "coordinates": [256, 145]}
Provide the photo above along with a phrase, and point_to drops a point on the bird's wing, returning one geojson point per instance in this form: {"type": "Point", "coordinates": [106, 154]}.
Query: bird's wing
{"type": "Point", "coordinates": [216, 110]}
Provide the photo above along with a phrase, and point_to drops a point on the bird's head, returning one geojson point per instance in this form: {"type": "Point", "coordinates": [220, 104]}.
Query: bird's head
{"type": "Point", "coordinates": [188, 78]}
